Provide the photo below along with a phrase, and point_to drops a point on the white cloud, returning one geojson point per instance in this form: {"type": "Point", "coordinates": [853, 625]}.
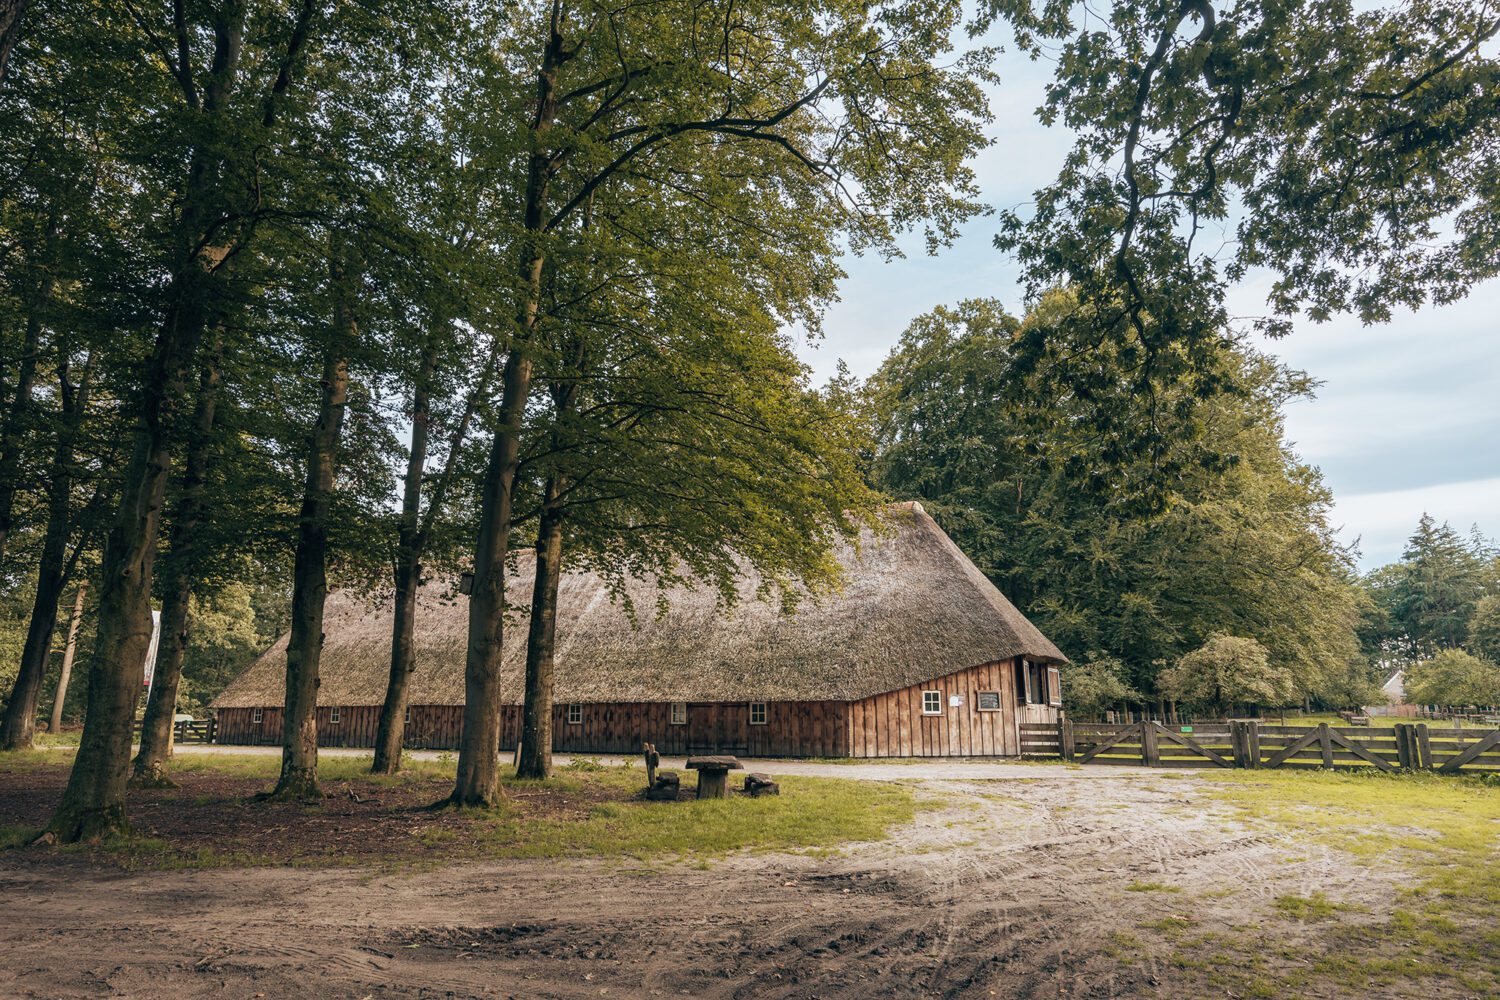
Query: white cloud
{"type": "Point", "coordinates": [1383, 521]}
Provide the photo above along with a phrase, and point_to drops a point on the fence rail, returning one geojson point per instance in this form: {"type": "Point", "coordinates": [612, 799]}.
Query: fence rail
{"type": "Point", "coordinates": [197, 731]}
{"type": "Point", "coordinates": [1252, 744]}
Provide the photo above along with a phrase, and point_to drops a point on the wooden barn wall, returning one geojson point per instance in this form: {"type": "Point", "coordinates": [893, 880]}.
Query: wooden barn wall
{"type": "Point", "coordinates": [792, 729]}
{"type": "Point", "coordinates": [884, 725]}
{"type": "Point", "coordinates": [892, 724]}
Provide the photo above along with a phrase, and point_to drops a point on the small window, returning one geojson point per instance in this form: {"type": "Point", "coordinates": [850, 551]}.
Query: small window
{"type": "Point", "coordinates": [333, 716]}
{"type": "Point", "coordinates": [932, 703]}
{"type": "Point", "coordinates": [679, 713]}
{"type": "Point", "coordinates": [256, 714]}
{"type": "Point", "coordinates": [575, 715]}
{"type": "Point", "coordinates": [407, 720]}
{"type": "Point", "coordinates": [1054, 686]}
{"type": "Point", "coordinates": [989, 701]}
{"type": "Point", "coordinates": [757, 713]}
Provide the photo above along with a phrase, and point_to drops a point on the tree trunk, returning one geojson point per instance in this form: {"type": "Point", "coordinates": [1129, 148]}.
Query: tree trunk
{"type": "Point", "coordinates": [478, 780]}
{"type": "Point", "coordinates": [18, 729]}
{"type": "Point", "coordinates": [66, 673]}
{"type": "Point", "coordinates": [182, 557]}
{"type": "Point", "coordinates": [408, 575]}
{"type": "Point", "coordinates": [93, 804]}
{"type": "Point", "coordinates": [11, 12]}
{"type": "Point", "coordinates": [535, 759]}
{"type": "Point", "coordinates": [299, 738]}
{"type": "Point", "coordinates": [13, 431]}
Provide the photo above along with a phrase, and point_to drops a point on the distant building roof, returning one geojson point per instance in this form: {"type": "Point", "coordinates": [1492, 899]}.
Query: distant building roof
{"type": "Point", "coordinates": [912, 608]}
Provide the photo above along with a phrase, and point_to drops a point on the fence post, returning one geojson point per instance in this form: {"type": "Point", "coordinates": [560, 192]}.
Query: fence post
{"type": "Point", "coordinates": [1252, 743]}
{"type": "Point", "coordinates": [1065, 738]}
{"type": "Point", "coordinates": [1326, 740]}
{"type": "Point", "coordinates": [1424, 748]}
{"type": "Point", "coordinates": [1237, 733]}
{"type": "Point", "coordinates": [1149, 754]}
{"type": "Point", "coordinates": [1403, 746]}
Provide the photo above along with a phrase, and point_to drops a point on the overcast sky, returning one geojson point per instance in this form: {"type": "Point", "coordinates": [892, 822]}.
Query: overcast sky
{"type": "Point", "coordinates": [1407, 420]}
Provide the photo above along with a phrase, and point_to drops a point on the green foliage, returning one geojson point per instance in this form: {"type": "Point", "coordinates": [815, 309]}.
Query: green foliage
{"type": "Point", "coordinates": [1484, 628]}
{"type": "Point", "coordinates": [1346, 149]}
{"type": "Point", "coordinates": [1070, 526]}
{"type": "Point", "coordinates": [1453, 677]}
{"type": "Point", "coordinates": [1424, 603]}
{"type": "Point", "coordinates": [1094, 686]}
{"type": "Point", "coordinates": [1227, 671]}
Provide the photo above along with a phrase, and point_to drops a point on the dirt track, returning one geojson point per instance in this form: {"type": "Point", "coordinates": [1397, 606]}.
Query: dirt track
{"type": "Point", "coordinates": [1014, 888]}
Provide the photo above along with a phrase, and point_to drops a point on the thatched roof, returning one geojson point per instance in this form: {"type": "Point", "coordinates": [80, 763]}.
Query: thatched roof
{"type": "Point", "coordinates": [913, 608]}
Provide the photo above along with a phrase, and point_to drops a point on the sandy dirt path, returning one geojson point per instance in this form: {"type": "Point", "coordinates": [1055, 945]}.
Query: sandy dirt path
{"type": "Point", "coordinates": [1013, 888]}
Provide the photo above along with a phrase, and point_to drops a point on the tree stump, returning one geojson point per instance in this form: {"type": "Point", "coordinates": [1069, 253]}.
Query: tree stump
{"type": "Point", "coordinates": [653, 761]}
{"type": "Point", "coordinates": [757, 785]}
{"type": "Point", "coordinates": [664, 788]}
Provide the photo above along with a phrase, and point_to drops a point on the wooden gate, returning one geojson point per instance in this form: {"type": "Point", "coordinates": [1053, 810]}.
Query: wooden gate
{"type": "Point", "coordinates": [1249, 744]}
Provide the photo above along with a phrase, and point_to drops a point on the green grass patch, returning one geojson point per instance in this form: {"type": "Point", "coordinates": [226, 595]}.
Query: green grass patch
{"type": "Point", "coordinates": [586, 809]}
{"type": "Point", "coordinates": [1152, 887]}
{"type": "Point", "coordinates": [1314, 907]}
{"type": "Point", "coordinates": [1444, 830]}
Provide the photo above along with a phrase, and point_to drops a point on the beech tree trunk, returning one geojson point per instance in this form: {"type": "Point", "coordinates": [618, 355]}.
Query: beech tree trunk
{"type": "Point", "coordinates": [69, 649]}
{"type": "Point", "coordinates": [11, 13]}
{"type": "Point", "coordinates": [535, 759]}
{"type": "Point", "coordinates": [408, 576]}
{"type": "Point", "coordinates": [166, 680]}
{"type": "Point", "coordinates": [299, 739]}
{"type": "Point", "coordinates": [478, 780]}
{"type": "Point", "coordinates": [13, 431]}
{"type": "Point", "coordinates": [18, 728]}
{"type": "Point", "coordinates": [93, 804]}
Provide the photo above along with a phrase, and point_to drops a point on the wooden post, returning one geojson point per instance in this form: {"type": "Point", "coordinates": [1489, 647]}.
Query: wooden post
{"type": "Point", "coordinates": [1150, 756]}
{"type": "Point", "coordinates": [1404, 744]}
{"type": "Point", "coordinates": [1252, 743]}
{"type": "Point", "coordinates": [1065, 738]}
{"type": "Point", "coordinates": [67, 660]}
{"type": "Point", "coordinates": [1424, 748]}
{"type": "Point", "coordinates": [1326, 741]}
{"type": "Point", "coordinates": [711, 783]}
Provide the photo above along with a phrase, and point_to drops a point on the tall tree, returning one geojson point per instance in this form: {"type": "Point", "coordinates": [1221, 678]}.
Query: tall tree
{"type": "Point", "coordinates": [183, 557]}
{"type": "Point", "coordinates": [299, 739]}
{"type": "Point", "coordinates": [19, 725]}
{"type": "Point", "coordinates": [841, 112]}
{"type": "Point", "coordinates": [226, 109]}
{"type": "Point", "coordinates": [1079, 531]}
{"type": "Point", "coordinates": [1346, 150]}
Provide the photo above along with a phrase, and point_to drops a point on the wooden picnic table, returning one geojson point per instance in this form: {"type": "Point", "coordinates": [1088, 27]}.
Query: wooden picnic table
{"type": "Point", "coordinates": [711, 772]}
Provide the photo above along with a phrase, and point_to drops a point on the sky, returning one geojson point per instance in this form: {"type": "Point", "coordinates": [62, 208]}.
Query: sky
{"type": "Point", "coordinates": [1408, 416]}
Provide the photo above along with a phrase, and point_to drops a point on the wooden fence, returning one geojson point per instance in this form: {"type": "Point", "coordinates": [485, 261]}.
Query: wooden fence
{"type": "Point", "coordinates": [1251, 743]}
{"type": "Point", "coordinates": [197, 731]}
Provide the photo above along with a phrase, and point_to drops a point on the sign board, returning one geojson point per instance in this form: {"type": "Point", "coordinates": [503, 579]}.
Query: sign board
{"type": "Point", "coordinates": [955, 700]}
{"type": "Point", "coordinates": [1187, 729]}
{"type": "Point", "coordinates": [989, 701]}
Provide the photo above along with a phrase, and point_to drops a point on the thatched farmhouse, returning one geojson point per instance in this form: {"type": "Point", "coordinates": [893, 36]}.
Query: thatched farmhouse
{"type": "Point", "coordinates": [918, 655]}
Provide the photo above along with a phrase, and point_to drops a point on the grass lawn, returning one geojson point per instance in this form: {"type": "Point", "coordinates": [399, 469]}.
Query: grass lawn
{"type": "Point", "coordinates": [583, 810]}
{"type": "Point", "coordinates": [1383, 721]}
{"type": "Point", "coordinates": [1441, 932]}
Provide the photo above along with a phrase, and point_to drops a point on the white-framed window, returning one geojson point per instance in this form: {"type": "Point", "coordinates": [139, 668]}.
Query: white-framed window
{"type": "Point", "coordinates": [575, 714]}
{"type": "Point", "coordinates": [932, 703]}
{"type": "Point", "coordinates": [333, 716]}
{"type": "Point", "coordinates": [987, 701]}
{"type": "Point", "coordinates": [757, 713]}
{"type": "Point", "coordinates": [256, 715]}
{"type": "Point", "coordinates": [407, 720]}
{"type": "Point", "coordinates": [679, 713]}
